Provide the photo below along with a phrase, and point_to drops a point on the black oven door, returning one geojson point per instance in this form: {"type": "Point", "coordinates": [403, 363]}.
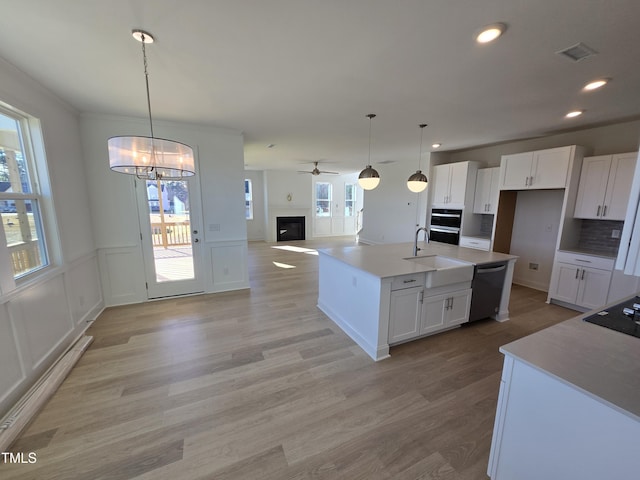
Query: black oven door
{"type": "Point", "coordinates": [445, 235]}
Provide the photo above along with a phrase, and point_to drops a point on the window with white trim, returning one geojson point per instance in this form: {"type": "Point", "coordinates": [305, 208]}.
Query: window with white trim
{"type": "Point", "coordinates": [349, 200]}
{"type": "Point", "coordinates": [323, 199]}
{"type": "Point", "coordinates": [248, 199]}
{"type": "Point", "coordinates": [20, 198]}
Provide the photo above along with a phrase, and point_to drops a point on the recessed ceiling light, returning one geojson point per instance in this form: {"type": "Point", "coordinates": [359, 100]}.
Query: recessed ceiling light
{"type": "Point", "coordinates": [491, 32]}
{"type": "Point", "coordinates": [436, 145]}
{"type": "Point", "coordinates": [596, 84]}
{"type": "Point", "coordinates": [575, 113]}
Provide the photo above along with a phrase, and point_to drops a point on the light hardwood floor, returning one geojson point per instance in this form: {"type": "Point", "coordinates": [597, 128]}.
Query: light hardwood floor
{"type": "Point", "coordinates": [259, 384]}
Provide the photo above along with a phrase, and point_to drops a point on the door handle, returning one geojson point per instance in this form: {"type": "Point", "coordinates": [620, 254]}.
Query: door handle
{"type": "Point", "coordinates": [598, 212]}
{"type": "Point", "coordinates": [582, 277]}
{"type": "Point", "coordinates": [604, 211]}
{"type": "Point", "coordinates": [195, 240]}
{"type": "Point", "coordinates": [577, 272]}
{"type": "Point", "coordinates": [195, 232]}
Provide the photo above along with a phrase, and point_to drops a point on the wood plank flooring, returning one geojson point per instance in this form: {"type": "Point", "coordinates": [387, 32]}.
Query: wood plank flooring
{"type": "Point", "coordinates": [259, 384]}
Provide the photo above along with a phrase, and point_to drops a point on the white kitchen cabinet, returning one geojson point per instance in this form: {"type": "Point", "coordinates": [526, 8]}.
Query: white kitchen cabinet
{"type": "Point", "coordinates": [453, 183]}
{"type": "Point", "coordinates": [605, 184]}
{"type": "Point", "coordinates": [475, 242]}
{"type": "Point", "coordinates": [581, 280]}
{"type": "Point", "coordinates": [404, 314]}
{"type": "Point", "coordinates": [445, 310]}
{"type": "Point", "coordinates": [535, 170]}
{"type": "Point", "coordinates": [487, 190]}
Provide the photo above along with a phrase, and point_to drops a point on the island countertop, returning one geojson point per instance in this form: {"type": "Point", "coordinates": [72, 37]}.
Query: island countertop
{"type": "Point", "coordinates": [600, 362]}
{"type": "Point", "coordinates": [388, 260]}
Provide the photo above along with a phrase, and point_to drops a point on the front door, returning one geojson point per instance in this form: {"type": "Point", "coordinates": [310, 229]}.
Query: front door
{"type": "Point", "coordinates": [169, 213]}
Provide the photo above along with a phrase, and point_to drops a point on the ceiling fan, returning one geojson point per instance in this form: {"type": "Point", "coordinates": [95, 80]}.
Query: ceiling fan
{"type": "Point", "coordinates": [315, 171]}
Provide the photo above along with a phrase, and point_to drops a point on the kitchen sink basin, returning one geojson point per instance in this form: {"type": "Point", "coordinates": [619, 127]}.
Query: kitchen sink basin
{"type": "Point", "coordinates": [446, 270]}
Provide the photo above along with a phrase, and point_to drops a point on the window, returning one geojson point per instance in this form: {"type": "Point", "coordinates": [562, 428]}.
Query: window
{"type": "Point", "coordinates": [349, 200]}
{"type": "Point", "coordinates": [323, 199]}
{"type": "Point", "coordinates": [20, 199]}
{"type": "Point", "coordinates": [248, 199]}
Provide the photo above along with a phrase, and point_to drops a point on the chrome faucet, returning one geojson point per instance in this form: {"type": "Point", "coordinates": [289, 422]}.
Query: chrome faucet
{"type": "Point", "coordinates": [416, 249]}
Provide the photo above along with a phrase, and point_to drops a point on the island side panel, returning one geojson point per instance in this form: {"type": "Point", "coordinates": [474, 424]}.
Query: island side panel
{"type": "Point", "coordinates": [547, 429]}
{"type": "Point", "coordinates": [352, 299]}
{"type": "Point", "coordinates": [503, 313]}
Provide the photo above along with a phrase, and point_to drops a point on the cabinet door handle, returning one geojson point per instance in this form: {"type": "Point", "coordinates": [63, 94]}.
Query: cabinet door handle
{"type": "Point", "coordinates": [577, 272]}
{"type": "Point", "coordinates": [409, 281]}
{"type": "Point", "coordinates": [598, 212]}
{"type": "Point", "coordinates": [421, 296]}
{"type": "Point", "coordinates": [604, 211]}
{"type": "Point", "coordinates": [582, 277]}
{"type": "Point", "coordinates": [451, 304]}
{"type": "Point", "coordinates": [526, 182]}
{"type": "Point", "coordinates": [531, 180]}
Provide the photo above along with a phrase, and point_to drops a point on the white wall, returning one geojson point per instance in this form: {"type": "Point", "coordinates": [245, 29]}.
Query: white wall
{"type": "Point", "coordinates": [279, 185]}
{"type": "Point", "coordinates": [220, 173]}
{"type": "Point", "coordinates": [616, 138]}
{"type": "Point", "coordinates": [534, 236]}
{"type": "Point", "coordinates": [391, 211]}
{"type": "Point", "coordinates": [41, 318]}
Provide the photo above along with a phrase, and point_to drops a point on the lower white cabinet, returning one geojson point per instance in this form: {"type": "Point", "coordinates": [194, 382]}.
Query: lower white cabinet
{"type": "Point", "coordinates": [404, 319]}
{"type": "Point", "coordinates": [413, 312]}
{"type": "Point", "coordinates": [476, 242]}
{"type": "Point", "coordinates": [445, 310]}
{"type": "Point", "coordinates": [581, 280]}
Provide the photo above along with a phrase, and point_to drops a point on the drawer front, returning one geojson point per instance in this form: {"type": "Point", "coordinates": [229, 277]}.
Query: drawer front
{"type": "Point", "coordinates": [585, 260]}
{"type": "Point", "coordinates": [407, 281]}
{"type": "Point", "coordinates": [475, 242]}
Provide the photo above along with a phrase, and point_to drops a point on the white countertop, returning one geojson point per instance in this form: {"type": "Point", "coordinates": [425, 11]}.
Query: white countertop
{"type": "Point", "coordinates": [601, 362]}
{"type": "Point", "coordinates": [388, 260]}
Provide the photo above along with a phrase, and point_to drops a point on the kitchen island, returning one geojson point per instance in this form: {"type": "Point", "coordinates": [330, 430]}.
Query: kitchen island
{"type": "Point", "coordinates": [569, 405]}
{"type": "Point", "coordinates": [382, 295]}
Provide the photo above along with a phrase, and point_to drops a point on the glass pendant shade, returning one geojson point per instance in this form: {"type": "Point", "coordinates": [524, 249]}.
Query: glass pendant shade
{"type": "Point", "coordinates": [151, 158]}
{"type": "Point", "coordinates": [369, 178]}
{"type": "Point", "coordinates": [417, 182]}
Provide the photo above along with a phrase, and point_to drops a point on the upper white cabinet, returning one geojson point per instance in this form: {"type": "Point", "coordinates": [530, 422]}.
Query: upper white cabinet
{"type": "Point", "coordinates": [487, 190]}
{"type": "Point", "coordinates": [454, 183]}
{"type": "Point", "coordinates": [535, 170]}
{"type": "Point", "coordinates": [605, 183]}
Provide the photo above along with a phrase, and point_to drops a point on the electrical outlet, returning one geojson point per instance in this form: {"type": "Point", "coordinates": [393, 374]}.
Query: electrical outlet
{"type": "Point", "coordinates": [533, 266]}
{"type": "Point", "coordinates": [615, 233]}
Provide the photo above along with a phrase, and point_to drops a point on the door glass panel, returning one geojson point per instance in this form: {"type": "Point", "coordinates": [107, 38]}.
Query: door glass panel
{"type": "Point", "coordinates": [170, 229]}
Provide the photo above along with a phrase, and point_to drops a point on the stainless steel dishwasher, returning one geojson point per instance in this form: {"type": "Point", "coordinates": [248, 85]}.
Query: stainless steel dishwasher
{"type": "Point", "coordinates": [487, 284]}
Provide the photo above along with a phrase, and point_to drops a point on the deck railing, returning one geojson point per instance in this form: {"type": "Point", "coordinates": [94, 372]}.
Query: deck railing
{"type": "Point", "coordinates": [169, 234]}
{"type": "Point", "coordinates": [25, 256]}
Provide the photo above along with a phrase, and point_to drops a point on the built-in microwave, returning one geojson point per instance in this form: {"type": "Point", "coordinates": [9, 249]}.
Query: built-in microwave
{"type": "Point", "coordinates": [445, 225]}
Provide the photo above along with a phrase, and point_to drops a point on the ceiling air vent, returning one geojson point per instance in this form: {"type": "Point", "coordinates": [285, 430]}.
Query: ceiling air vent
{"type": "Point", "coordinates": [577, 52]}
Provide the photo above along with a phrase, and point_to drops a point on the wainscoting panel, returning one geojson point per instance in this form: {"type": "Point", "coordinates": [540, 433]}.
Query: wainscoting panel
{"type": "Point", "coordinates": [11, 367]}
{"type": "Point", "coordinates": [229, 266]}
{"type": "Point", "coordinates": [44, 316]}
{"type": "Point", "coordinates": [122, 275]}
{"type": "Point", "coordinates": [85, 291]}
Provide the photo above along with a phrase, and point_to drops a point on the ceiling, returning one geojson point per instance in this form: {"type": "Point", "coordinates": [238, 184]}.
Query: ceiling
{"type": "Point", "coordinates": [303, 74]}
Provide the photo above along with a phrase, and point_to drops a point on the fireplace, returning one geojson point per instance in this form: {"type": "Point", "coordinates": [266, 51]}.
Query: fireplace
{"type": "Point", "coordinates": [289, 228]}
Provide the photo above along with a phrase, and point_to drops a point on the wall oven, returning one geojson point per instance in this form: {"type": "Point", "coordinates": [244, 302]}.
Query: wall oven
{"type": "Point", "coordinates": [445, 225]}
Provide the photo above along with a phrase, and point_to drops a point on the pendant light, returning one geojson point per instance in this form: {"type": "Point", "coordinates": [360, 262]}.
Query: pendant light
{"type": "Point", "coordinates": [150, 158]}
{"type": "Point", "coordinates": [418, 181]}
{"type": "Point", "coordinates": [369, 178]}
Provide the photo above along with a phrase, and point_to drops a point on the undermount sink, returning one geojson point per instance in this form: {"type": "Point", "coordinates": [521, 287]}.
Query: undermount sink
{"type": "Point", "coordinates": [446, 270]}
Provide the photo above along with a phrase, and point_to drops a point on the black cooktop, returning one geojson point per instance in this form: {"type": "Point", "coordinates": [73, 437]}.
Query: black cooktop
{"type": "Point", "coordinates": [623, 317]}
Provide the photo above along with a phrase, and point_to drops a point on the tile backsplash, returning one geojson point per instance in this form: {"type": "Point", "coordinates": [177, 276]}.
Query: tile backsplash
{"type": "Point", "coordinates": [596, 235]}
